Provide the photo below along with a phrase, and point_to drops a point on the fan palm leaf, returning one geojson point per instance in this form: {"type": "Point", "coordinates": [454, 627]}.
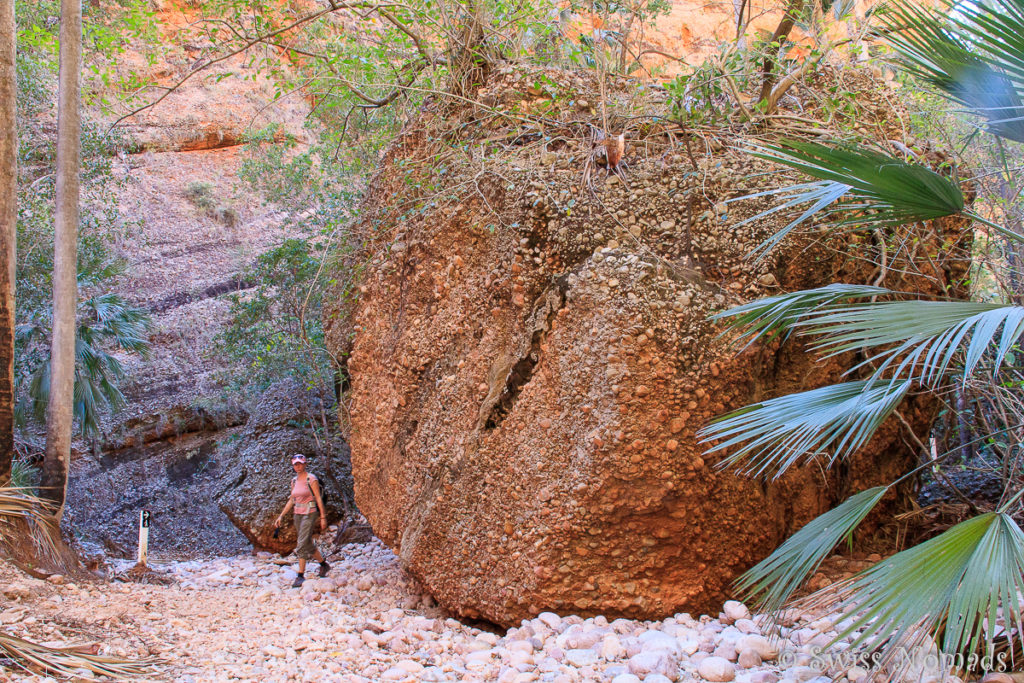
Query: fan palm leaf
{"type": "Point", "coordinates": [972, 52]}
{"type": "Point", "coordinates": [917, 339]}
{"type": "Point", "coordinates": [773, 580]}
{"type": "Point", "coordinates": [959, 585]}
{"type": "Point", "coordinates": [771, 436]}
{"type": "Point", "coordinates": [104, 321]}
{"type": "Point", "coordinates": [857, 187]}
{"type": "Point", "coordinates": [777, 315]}
{"type": "Point", "coordinates": [921, 340]}
{"type": "Point", "coordinates": [125, 325]}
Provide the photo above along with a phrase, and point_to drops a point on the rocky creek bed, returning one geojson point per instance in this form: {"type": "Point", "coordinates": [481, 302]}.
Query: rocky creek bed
{"type": "Point", "coordinates": [237, 618]}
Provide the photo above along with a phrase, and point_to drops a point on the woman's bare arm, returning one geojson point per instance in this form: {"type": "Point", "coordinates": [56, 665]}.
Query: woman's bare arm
{"type": "Point", "coordinates": [288, 506]}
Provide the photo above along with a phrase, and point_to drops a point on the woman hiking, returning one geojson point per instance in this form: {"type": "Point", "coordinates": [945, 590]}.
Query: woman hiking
{"type": "Point", "coordinates": [309, 510]}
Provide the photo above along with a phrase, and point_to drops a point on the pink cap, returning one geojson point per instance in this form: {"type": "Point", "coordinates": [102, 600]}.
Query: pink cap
{"type": "Point", "coordinates": [298, 457]}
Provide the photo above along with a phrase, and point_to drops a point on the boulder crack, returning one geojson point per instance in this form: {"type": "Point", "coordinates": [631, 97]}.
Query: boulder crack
{"type": "Point", "coordinates": [521, 371]}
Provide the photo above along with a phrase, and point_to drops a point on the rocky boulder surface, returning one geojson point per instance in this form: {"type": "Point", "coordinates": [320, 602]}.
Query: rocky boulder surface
{"type": "Point", "coordinates": [259, 471]}
{"type": "Point", "coordinates": [532, 358]}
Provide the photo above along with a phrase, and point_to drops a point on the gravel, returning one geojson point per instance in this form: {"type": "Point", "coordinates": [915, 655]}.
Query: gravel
{"type": "Point", "coordinates": [238, 619]}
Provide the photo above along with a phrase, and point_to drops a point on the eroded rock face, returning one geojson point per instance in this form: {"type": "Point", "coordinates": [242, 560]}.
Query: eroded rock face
{"type": "Point", "coordinates": [525, 397]}
{"type": "Point", "coordinates": [259, 466]}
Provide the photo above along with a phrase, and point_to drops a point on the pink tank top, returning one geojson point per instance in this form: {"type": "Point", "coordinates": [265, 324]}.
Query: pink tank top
{"type": "Point", "coordinates": [302, 495]}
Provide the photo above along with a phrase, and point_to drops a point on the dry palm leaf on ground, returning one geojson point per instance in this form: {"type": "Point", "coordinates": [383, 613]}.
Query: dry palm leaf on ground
{"type": "Point", "coordinates": [71, 662]}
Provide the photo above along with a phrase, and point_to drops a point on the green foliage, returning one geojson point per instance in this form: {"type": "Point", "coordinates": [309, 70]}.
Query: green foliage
{"type": "Point", "coordinates": [201, 194]}
{"type": "Point", "coordinates": [781, 574]}
{"type": "Point", "coordinates": [993, 161]}
{"type": "Point", "coordinates": [951, 584]}
{"type": "Point", "coordinates": [833, 421]}
{"type": "Point", "coordinates": [775, 315]}
{"type": "Point", "coordinates": [107, 32]}
{"type": "Point", "coordinates": [701, 96]}
{"type": "Point", "coordinates": [974, 57]}
{"type": "Point", "coordinates": [856, 187]}
{"type": "Point", "coordinates": [275, 328]}
{"type": "Point", "coordinates": [953, 587]}
{"type": "Point", "coordinates": [104, 321]}
{"type": "Point", "coordinates": [23, 475]}
{"type": "Point", "coordinates": [616, 46]}
{"type": "Point", "coordinates": [914, 340]}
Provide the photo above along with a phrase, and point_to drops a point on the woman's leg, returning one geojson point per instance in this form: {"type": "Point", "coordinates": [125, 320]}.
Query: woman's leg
{"type": "Point", "coordinates": [303, 549]}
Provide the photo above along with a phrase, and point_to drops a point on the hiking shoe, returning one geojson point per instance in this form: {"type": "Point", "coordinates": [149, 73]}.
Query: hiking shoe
{"type": "Point", "coordinates": [298, 581]}
{"type": "Point", "coordinates": [324, 568]}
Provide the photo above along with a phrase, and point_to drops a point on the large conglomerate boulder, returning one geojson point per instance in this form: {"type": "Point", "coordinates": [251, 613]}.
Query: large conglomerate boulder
{"type": "Point", "coordinates": [531, 362]}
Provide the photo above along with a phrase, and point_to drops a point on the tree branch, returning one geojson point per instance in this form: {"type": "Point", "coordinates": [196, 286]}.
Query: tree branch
{"type": "Point", "coordinates": [427, 54]}
{"type": "Point", "coordinates": [334, 6]}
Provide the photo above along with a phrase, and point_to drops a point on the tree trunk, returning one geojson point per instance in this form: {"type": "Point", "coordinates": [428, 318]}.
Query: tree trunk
{"type": "Point", "coordinates": [65, 288]}
{"type": "Point", "coordinates": [738, 8]}
{"type": "Point", "coordinates": [8, 229]}
{"type": "Point", "coordinates": [768, 75]}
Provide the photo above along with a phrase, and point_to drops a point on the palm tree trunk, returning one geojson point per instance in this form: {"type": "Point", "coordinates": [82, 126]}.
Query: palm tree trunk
{"type": "Point", "coordinates": [8, 229]}
{"type": "Point", "coordinates": [65, 288]}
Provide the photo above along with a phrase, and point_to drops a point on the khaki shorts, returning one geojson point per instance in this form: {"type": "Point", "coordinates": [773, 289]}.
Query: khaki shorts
{"type": "Point", "coordinates": [306, 525]}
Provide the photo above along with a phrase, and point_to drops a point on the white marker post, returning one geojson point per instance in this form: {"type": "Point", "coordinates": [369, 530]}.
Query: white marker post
{"type": "Point", "coordinates": [143, 537]}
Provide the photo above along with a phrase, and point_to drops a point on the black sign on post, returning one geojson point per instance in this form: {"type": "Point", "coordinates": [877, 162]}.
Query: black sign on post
{"type": "Point", "coordinates": [143, 537]}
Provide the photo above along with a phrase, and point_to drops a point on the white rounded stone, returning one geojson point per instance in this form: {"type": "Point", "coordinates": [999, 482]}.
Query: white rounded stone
{"type": "Point", "coordinates": [717, 669]}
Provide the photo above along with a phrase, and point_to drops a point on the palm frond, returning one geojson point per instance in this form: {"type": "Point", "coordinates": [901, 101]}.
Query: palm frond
{"type": "Point", "coordinates": [919, 339]}
{"type": "Point", "coordinates": [772, 436]}
{"type": "Point", "coordinates": [115, 320]}
{"type": "Point", "coordinates": [819, 195]}
{"type": "Point", "coordinates": [773, 580]}
{"type": "Point", "coordinates": [104, 320]}
{"type": "Point", "coordinates": [775, 315]}
{"type": "Point", "coordinates": [39, 391]}
{"type": "Point", "coordinates": [856, 186]}
{"type": "Point", "coordinates": [20, 502]}
{"type": "Point", "coordinates": [954, 586]}
{"type": "Point", "coordinates": [68, 662]}
{"type": "Point", "coordinates": [972, 52]}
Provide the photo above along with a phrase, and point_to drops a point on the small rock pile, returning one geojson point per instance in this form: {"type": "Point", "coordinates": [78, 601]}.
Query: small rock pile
{"type": "Point", "coordinates": [238, 619]}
